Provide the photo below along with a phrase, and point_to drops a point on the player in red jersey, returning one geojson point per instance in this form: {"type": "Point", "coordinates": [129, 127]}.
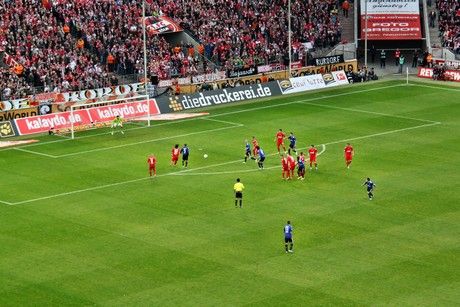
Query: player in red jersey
{"type": "Point", "coordinates": [175, 155]}
{"type": "Point", "coordinates": [279, 138]}
{"type": "Point", "coordinates": [285, 164]}
{"type": "Point", "coordinates": [313, 152]}
{"type": "Point", "coordinates": [152, 161]}
{"type": "Point", "coordinates": [292, 163]}
{"type": "Point", "coordinates": [349, 153]}
{"type": "Point", "coordinates": [255, 145]}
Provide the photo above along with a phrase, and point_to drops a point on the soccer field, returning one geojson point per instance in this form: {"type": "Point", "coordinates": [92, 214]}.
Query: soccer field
{"type": "Point", "coordinates": [83, 224]}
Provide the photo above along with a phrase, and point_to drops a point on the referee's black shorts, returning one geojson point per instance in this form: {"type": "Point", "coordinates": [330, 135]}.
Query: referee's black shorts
{"type": "Point", "coordinates": [239, 194]}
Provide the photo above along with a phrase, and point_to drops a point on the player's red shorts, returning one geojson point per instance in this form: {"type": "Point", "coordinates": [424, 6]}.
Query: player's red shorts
{"type": "Point", "coordinates": [175, 158]}
{"type": "Point", "coordinates": [313, 158]}
{"type": "Point", "coordinates": [152, 166]}
{"type": "Point", "coordinates": [255, 151]}
{"type": "Point", "coordinates": [279, 143]}
{"type": "Point", "coordinates": [348, 157]}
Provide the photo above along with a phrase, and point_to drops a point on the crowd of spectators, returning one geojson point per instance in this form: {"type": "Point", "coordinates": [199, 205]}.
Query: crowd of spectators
{"type": "Point", "coordinates": [238, 33]}
{"type": "Point", "coordinates": [47, 47]}
{"type": "Point", "coordinates": [71, 45]}
{"type": "Point", "coordinates": [449, 23]}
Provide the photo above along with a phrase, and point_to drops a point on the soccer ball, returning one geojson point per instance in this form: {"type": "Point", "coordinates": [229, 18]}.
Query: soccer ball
{"type": "Point", "coordinates": [205, 156]}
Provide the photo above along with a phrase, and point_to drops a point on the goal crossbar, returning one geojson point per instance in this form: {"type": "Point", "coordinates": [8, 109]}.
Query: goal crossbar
{"type": "Point", "coordinates": [101, 114]}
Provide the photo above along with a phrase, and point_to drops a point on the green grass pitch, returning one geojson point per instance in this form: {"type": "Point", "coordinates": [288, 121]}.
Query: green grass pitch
{"type": "Point", "coordinates": [82, 224]}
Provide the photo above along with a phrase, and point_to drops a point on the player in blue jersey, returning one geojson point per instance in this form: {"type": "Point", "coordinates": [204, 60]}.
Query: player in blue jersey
{"type": "Point", "coordinates": [248, 152]}
{"type": "Point", "coordinates": [300, 169]}
{"type": "Point", "coordinates": [370, 186]}
{"type": "Point", "coordinates": [292, 143]}
{"type": "Point", "coordinates": [288, 240]}
{"type": "Point", "coordinates": [185, 151]}
{"type": "Point", "coordinates": [261, 159]}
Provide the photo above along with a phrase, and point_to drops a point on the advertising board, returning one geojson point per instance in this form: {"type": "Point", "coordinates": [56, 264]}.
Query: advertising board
{"type": "Point", "coordinates": [217, 97]}
{"type": "Point", "coordinates": [313, 82]}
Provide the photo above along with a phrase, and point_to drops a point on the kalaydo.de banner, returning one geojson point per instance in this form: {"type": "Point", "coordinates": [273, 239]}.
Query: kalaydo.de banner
{"type": "Point", "coordinates": [102, 116]}
{"type": "Point", "coordinates": [84, 118]}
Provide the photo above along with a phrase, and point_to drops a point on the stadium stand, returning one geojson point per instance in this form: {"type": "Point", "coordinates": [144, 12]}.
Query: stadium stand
{"type": "Point", "coordinates": [73, 45]}
{"type": "Point", "coordinates": [449, 23]}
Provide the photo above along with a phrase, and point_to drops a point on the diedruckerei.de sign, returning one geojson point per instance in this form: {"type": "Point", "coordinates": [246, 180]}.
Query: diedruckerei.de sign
{"type": "Point", "coordinates": [217, 97]}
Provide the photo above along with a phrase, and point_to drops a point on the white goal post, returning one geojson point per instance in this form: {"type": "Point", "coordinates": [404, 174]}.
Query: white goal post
{"type": "Point", "coordinates": [100, 114]}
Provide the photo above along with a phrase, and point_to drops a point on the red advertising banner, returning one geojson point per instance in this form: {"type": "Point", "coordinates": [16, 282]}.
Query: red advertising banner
{"type": "Point", "coordinates": [86, 118]}
{"type": "Point", "coordinates": [450, 75]}
{"type": "Point", "coordinates": [391, 27]}
{"type": "Point", "coordinates": [390, 20]}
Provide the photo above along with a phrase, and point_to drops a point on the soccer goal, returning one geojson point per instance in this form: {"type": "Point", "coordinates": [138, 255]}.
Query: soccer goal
{"type": "Point", "coordinates": [100, 114]}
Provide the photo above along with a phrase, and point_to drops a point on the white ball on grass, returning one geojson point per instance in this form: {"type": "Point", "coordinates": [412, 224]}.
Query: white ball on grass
{"type": "Point", "coordinates": [205, 156]}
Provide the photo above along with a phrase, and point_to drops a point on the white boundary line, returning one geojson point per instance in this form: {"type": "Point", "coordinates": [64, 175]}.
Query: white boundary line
{"type": "Point", "coordinates": [383, 133]}
{"type": "Point", "coordinates": [368, 112]}
{"type": "Point", "coordinates": [35, 152]}
{"type": "Point", "coordinates": [203, 167]}
{"type": "Point", "coordinates": [236, 125]}
{"type": "Point", "coordinates": [438, 88]}
{"type": "Point", "coordinates": [211, 116]}
{"type": "Point", "coordinates": [305, 101]}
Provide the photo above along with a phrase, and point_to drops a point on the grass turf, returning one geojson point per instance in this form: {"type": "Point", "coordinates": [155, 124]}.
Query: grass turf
{"type": "Point", "coordinates": [82, 224]}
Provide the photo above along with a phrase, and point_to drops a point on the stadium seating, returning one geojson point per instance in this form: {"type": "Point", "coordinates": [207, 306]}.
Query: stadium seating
{"type": "Point", "coordinates": [72, 45]}
{"type": "Point", "coordinates": [449, 24]}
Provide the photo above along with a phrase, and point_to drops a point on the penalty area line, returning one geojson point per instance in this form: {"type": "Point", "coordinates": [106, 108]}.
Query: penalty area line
{"type": "Point", "coordinates": [35, 152]}
{"type": "Point", "coordinates": [185, 172]}
{"type": "Point", "coordinates": [382, 133]}
{"type": "Point", "coordinates": [77, 191]}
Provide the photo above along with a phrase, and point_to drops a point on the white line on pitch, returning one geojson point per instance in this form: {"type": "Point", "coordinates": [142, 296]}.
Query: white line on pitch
{"type": "Point", "coordinates": [143, 142]}
{"type": "Point", "coordinates": [383, 133]}
{"type": "Point", "coordinates": [304, 101]}
{"type": "Point", "coordinates": [34, 152]}
{"type": "Point", "coordinates": [215, 115]}
{"type": "Point", "coordinates": [438, 88]}
{"type": "Point", "coordinates": [368, 112]}
{"type": "Point", "coordinates": [221, 121]}
{"type": "Point", "coordinates": [203, 167]}
{"type": "Point", "coordinates": [81, 191]}
{"type": "Point", "coordinates": [299, 101]}
{"type": "Point", "coordinates": [224, 114]}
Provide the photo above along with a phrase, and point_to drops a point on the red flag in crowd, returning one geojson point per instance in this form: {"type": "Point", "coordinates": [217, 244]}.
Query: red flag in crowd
{"type": "Point", "coordinates": [47, 4]}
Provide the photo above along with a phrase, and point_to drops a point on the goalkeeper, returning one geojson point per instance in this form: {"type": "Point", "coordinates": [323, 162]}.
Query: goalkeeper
{"type": "Point", "coordinates": [117, 122]}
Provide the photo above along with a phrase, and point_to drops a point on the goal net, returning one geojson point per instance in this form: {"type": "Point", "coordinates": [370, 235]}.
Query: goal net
{"type": "Point", "coordinates": [101, 114]}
